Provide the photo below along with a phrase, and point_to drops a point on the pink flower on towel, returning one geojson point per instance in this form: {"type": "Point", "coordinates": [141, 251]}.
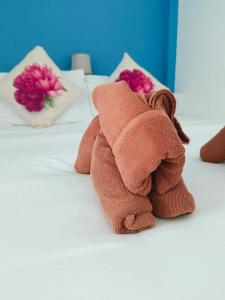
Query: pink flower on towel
{"type": "Point", "coordinates": [137, 81]}
{"type": "Point", "coordinates": [36, 87]}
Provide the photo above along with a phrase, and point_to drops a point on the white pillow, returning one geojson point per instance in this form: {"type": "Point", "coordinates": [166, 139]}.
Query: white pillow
{"type": "Point", "coordinates": [7, 115]}
{"type": "Point", "coordinates": [80, 110]}
{"type": "Point", "coordinates": [47, 115]}
{"type": "Point", "coordinates": [128, 63]}
{"type": "Point", "coordinates": [2, 75]}
{"type": "Point", "coordinates": [92, 82]}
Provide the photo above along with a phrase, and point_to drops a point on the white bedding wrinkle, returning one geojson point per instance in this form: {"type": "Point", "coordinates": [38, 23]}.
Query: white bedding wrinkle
{"type": "Point", "coordinates": [92, 82]}
{"type": "Point", "coordinates": [56, 243]}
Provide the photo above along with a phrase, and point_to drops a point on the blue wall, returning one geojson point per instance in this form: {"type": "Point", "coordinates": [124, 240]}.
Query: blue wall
{"type": "Point", "coordinates": [172, 43]}
{"type": "Point", "coordinates": [146, 29]}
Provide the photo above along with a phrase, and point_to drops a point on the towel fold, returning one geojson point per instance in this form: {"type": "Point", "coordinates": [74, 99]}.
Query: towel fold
{"type": "Point", "coordinates": [117, 105]}
{"type": "Point", "coordinates": [125, 211]}
{"type": "Point", "coordinates": [175, 202]}
{"type": "Point", "coordinates": [165, 101]}
{"type": "Point", "coordinates": [148, 144]}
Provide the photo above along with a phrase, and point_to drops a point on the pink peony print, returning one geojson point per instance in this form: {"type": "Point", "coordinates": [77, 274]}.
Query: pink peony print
{"type": "Point", "coordinates": [137, 81]}
{"type": "Point", "coordinates": [37, 87]}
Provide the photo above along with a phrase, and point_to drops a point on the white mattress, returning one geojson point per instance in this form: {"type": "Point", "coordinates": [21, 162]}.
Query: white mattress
{"type": "Point", "coordinates": [55, 243]}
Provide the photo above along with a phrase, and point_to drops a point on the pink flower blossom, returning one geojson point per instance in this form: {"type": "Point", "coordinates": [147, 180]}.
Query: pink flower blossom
{"type": "Point", "coordinates": [36, 85]}
{"type": "Point", "coordinates": [137, 81]}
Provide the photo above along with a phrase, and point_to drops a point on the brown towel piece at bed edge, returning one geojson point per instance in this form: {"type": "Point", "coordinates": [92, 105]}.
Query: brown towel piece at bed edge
{"type": "Point", "coordinates": [214, 150]}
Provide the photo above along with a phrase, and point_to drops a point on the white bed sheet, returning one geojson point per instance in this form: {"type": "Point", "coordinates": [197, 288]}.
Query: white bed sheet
{"type": "Point", "coordinates": [55, 243]}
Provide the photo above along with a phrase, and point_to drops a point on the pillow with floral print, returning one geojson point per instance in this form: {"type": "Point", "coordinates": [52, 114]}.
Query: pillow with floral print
{"type": "Point", "coordinates": [37, 90]}
{"type": "Point", "coordinates": [128, 64]}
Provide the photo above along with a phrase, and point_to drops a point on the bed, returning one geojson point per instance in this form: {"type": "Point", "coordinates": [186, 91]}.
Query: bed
{"type": "Point", "coordinates": [56, 243]}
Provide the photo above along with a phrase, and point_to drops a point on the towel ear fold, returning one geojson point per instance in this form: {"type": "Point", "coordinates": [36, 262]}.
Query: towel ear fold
{"type": "Point", "coordinates": [165, 100]}
{"type": "Point", "coordinates": [183, 137]}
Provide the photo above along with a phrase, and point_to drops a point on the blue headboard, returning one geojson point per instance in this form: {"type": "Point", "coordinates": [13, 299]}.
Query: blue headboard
{"type": "Point", "coordinates": [146, 29]}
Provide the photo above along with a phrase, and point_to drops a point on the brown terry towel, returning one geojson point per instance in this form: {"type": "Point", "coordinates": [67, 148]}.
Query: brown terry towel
{"type": "Point", "coordinates": [146, 141]}
{"type": "Point", "coordinates": [214, 150]}
{"type": "Point", "coordinates": [125, 211]}
{"type": "Point", "coordinates": [165, 101]}
{"type": "Point", "coordinates": [138, 150]}
{"type": "Point", "coordinates": [141, 136]}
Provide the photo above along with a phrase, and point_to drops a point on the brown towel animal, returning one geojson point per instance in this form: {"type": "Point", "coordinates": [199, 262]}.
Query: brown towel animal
{"type": "Point", "coordinates": [138, 155]}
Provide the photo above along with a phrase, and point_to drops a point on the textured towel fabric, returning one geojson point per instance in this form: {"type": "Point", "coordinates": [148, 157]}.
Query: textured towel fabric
{"type": "Point", "coordinates": [142, 135]}
{"type": "Point", "coordinates": [149, 143]}
{"type": "Point", "coordinates": [165, 101]}
{"type": "Point", "coordinates": [118, 105]}
{"type": "Point", "coordinates": [125, 211]}
{"type": "Point", "coordinates": [175, 202]}
{"type": "Point", "coordinates": [138, 154]}
{"type": "Point", "coordinates": [214, 150]}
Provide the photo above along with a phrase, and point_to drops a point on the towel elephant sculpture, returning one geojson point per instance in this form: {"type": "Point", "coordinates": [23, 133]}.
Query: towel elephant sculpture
{"type": "Point", "coordinates": [133, 150]}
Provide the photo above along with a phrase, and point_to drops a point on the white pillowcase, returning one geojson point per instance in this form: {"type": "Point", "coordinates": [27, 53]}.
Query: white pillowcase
{"type": "Point", "coordinates": [7, 115]}
{"type": "Point", "coordinates": [46, 116]}
{"type": "Point", "coordinates": [80, 110]}
{"type": "Point", "coordinates": [92, 82]}
{"type": "Point", "coordinates": [128, 63]}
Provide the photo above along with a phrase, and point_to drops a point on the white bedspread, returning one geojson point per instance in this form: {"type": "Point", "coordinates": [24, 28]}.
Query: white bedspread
{"type": "Point", "coordinates": [55, 243]}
